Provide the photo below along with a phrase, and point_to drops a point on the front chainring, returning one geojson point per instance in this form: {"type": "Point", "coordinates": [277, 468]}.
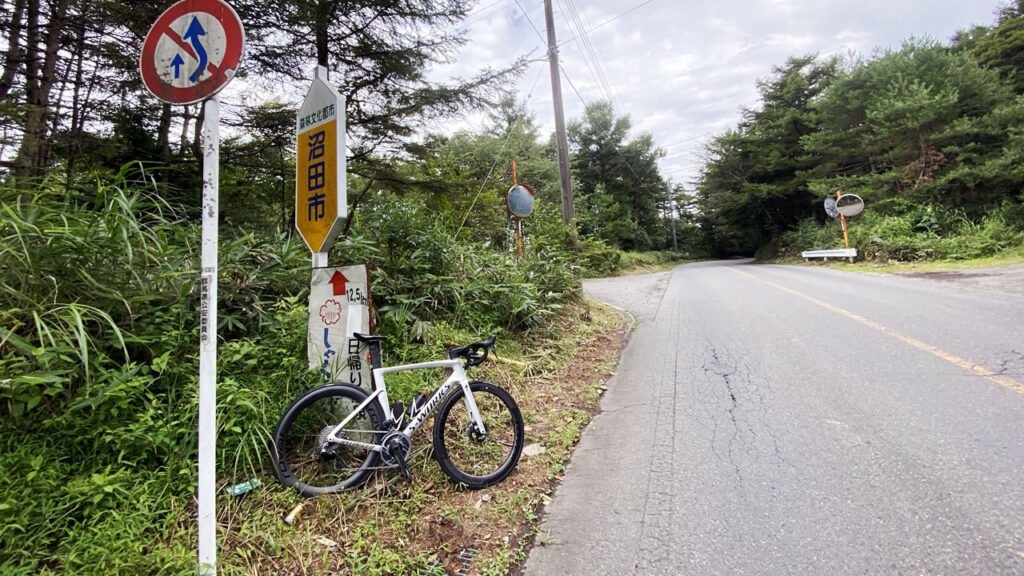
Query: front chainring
{"type": "Point", "coordinates": [396, 449]}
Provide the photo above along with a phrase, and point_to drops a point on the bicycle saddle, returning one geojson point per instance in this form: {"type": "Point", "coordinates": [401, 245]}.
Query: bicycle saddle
{"type": "Point", "coordinates": [368, 338]}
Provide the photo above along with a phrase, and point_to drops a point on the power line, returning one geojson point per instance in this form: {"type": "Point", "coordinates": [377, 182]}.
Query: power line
{"type": "Point", "coordinates": [478, 15]}
{"type": "Point", "coordinates": [532, 25]}
{"type": "Point", "coordinates": [590, 55]}
{"type": "Point", "coordinates": [497, 157]}
{"type": "Point", "coordinates": [610, 20]}
{"type": "Point", "coordinates": [616, 148]}
{"type": "Point", "coordinates": [484, 9]}
{"type": "Point", "coordinates": [596, 69]}
{"type": "Point", "coordinates": [690, 139]}
{"type": "Point", "coordinates": [600, 59]}
{"type": "Point", "coordinates": [674, 154]}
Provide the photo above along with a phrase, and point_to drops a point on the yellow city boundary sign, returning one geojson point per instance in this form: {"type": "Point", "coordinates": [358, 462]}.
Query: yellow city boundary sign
{"type": "Point", "coordinates": [320, 196]}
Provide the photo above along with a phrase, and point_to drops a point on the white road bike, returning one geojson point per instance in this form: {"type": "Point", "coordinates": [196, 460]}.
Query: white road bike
{"type": "Point", "coordinates": [334, 436]}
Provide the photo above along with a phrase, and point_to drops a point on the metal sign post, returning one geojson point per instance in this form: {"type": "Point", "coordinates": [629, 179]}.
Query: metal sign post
{"type": "Point", "coordinates": [842, 218]}
{"type": "Point", "coordinates": [519, 221]}
{"type": "Point", "coordinates": [846, 205]}
{"type": "Point", "coordinates": [208, 344]}
{"type": "Point", "coordinates": [190, 53]}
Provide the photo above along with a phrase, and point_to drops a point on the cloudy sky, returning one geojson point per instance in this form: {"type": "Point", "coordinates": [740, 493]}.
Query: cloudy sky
{"type": "Point", "coordinates": [682, 70]}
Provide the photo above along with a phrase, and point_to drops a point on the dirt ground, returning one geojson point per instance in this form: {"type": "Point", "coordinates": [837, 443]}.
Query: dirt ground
{"type": "Point", "coordinates": [1008, 279]}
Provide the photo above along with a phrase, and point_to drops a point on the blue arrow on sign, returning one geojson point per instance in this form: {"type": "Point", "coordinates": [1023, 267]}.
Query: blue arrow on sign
{"type": "Point", "coordinates": [195, 30]}
{"type": "Point", "coordinates": [176, 63]}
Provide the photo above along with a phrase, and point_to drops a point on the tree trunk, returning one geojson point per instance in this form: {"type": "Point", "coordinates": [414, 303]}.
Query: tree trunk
{"type": "Point", "coordinates": [15, 55]}
{"type": "Point", "coordinates": [78, 104]}
{"type": "Point", "coordinates": [197, 136]}
{"type": "Point", "coordinates": [40, 74]}
{"type": "Point", "coordinates": [186, 117]}
{"type": "Point", "coordinates": [163, 137]}
{"type": "Point", "coordinates": [354, 204]}
{"type": "Point", "coordinates": [324, 14]}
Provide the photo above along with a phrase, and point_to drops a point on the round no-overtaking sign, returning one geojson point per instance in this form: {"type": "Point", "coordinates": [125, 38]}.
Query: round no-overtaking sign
{"type": "Point", "coordinates": [192, 51]}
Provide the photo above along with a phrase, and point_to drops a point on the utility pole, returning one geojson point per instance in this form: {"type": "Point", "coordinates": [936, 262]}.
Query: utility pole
{"type": "Point", "coordinates": [672, 208]}
{"type": "Point", "coordinates": [568, 208]}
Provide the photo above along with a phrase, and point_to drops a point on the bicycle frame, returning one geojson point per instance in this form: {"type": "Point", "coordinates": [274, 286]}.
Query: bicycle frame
{"type": "Point", "coordinates": [381, 396]}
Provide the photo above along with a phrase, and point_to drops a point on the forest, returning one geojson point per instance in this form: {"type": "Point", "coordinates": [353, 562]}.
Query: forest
{"type": "Point", "coordinates": [99, 240]}
{"type": "Point", "coordinates": [929, 135]}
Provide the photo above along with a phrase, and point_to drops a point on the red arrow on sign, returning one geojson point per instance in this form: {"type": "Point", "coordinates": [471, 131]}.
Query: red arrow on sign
{"type": "Point", "coordinates": [338, 281]}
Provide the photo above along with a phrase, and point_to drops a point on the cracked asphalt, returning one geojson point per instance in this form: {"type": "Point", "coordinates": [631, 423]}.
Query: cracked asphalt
{"type": "Point", "coordinates": [800, 420]}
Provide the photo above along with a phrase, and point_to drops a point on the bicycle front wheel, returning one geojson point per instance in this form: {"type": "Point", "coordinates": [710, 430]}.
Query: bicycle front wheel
{"type": "Point", "coordinates": [304, 459]}
{"type": "Point", "coordinates": [472, 457]}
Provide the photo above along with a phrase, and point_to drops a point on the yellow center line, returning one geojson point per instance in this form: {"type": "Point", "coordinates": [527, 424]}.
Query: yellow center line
{"type": "Point", "coordinates": [999, 379]}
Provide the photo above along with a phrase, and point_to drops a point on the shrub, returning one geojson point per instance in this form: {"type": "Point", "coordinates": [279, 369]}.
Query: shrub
{"type": "Point", "coordinates": [598, 259]}
{"type": "Point", "coordinates": [921, 233]}
{"type": "Point", "coordinates": [98, 355]}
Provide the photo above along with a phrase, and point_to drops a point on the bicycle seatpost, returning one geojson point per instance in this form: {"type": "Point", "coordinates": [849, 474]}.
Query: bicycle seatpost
{"type": "Point", "coordinates": [373, 343]}
{"type": "Point", "coordinates": [375, 361]}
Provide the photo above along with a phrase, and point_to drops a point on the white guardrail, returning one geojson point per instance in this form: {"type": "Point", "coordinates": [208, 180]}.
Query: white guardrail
{"type": "Point", "coordinates": [850, 253]}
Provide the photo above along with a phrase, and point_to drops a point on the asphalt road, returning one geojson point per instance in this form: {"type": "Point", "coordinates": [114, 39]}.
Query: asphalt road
{"type": "Point", "coordinates": [800, 420]}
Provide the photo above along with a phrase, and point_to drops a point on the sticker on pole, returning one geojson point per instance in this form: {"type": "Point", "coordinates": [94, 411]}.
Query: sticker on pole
{"type": "Point", "coordinates": [192, 51]}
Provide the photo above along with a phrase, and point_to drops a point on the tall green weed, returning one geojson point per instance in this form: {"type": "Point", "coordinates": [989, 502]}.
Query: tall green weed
{"type": "Point", "coordinates": [99, 341]}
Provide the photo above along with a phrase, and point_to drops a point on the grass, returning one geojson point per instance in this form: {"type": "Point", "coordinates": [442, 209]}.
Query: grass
{"type": "Point", "coordinates": [390, 526]}
{"type": "Point", "coordinates": [634, 263]}
{"type": "Point", "coordinates": [1006, 258]}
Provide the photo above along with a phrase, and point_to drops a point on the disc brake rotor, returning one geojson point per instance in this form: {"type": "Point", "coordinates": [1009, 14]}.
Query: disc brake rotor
{"type": "Point", "coordinates": [476, 435]}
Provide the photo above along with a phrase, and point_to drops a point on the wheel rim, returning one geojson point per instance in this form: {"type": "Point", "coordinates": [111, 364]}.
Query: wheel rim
{"type": "Point", "coordinates": [307, 432]}
{"type": "Point", "coordinates": [473, 453]}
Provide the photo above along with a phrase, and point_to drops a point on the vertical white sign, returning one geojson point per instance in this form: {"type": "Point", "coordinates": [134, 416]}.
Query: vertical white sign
{"type": "Point", "coordinates": [339, 304]}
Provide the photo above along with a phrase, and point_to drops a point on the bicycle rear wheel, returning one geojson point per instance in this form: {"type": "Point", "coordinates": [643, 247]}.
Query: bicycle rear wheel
{"type": "Point", "coordinates": [469, 457]}
{"type": "Point", "coordinates": [303, 458]}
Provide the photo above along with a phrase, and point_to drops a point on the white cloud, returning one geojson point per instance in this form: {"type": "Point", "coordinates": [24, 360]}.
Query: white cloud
{"type": "Point", "coordinates": [684, 71]}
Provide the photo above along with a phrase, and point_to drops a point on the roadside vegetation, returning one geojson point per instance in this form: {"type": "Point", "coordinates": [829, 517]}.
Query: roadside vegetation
{"type": "Point", "coordinates": [928, 234]}
{"type": "Point", "coordinates": [98, 382]}
{"type": "Point", "coordinates": [598, 260]}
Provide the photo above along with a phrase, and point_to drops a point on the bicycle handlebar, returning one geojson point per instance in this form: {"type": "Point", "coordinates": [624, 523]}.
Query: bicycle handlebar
{"type": "Point", "coordinates": [474, 353]}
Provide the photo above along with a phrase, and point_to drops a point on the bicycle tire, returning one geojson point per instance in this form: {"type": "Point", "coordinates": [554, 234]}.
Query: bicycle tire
{"type": "Point", "coordinates": [302, 428]}
{"type": "Point", "coordinates": [464, 456]}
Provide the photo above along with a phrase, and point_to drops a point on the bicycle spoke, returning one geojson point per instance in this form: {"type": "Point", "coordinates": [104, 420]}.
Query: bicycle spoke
{"type": "Point", "coordinates": [475, 459]}
{"type": "Point", "coordinates": [312, 463]}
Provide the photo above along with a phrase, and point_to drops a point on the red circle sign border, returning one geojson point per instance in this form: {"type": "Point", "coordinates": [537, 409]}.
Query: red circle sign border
{"type": "Point", "coordinates": [235, 40]}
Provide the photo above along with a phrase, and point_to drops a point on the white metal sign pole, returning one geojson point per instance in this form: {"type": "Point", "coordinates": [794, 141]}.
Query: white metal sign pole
{"type": "Point", "coordinates": [189, 54]}
{"type": "Point", "coordinates": [208, 345]}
